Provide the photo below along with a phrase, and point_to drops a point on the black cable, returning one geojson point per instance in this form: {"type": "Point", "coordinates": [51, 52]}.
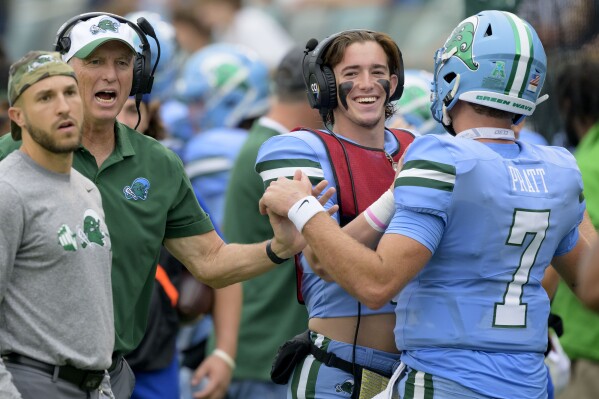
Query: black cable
{"type": "Point", "coordinates": [310, 46]}
{"type": "Point", "coordinates": [356, 213]}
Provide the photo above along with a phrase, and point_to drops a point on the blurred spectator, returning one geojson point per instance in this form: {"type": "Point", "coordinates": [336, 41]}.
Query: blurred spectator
{"type": "Point", "coordinates": [150, 123]}
{"type": "Point", "coordinates": [191, 34]}
{"type": "Point", "coordinates": [560, 23]}
{"type": "Point", "coordinates": [524, 133]}
{"type": "Point", "coordinates": [413, 109]}
{"type": "Point", "coordinates": [578, 99]}
{"type": "Point", "coordinates": [568, 30]}
{"type": "Point", "coordinates": [472, 7]}
{"type": "Point", "coordinates": [170, 61]}
{"type": "Point", "coordinates": [3, 17]}
{"type": "Point", "coordinates": [589, 279]}
{"type": "Point", "coordinates": [4, 120]}
{"type": "Point", "coordinates": [232, 22]}
{"type": "Point", "coordinates": [33, 23]}
{"type": "Point", "coordinates": [226, 88]}
{"type": "Point", "coordinates": [172, 113]}
{"type": "Point", "coordinates": [268, 300]}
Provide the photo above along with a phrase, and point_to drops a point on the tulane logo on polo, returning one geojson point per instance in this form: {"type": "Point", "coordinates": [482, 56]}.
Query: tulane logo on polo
{"type": "Point", "coordinates": [138, 190]}
{"type": "Point", "coordinates": [105, 24]}
{"type": "Point", "coordinates": [460, 42]}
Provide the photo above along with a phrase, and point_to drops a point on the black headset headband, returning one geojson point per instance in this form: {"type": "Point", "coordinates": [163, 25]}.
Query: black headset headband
{"type": "Point", "coordinates": [143, 73]}
{"type": "Point", "coordinates": [320, 79]}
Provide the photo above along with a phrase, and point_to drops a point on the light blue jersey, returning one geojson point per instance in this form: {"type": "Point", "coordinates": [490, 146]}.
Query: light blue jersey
{"type": "Point", "coordinates": [281, 156]}
{"type": "Point", "coordinates": [479, 304]}
{"type": "Point", "coordinates": [209, 157]}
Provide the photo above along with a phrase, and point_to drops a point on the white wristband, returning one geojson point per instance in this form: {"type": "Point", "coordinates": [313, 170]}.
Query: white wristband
{"type": "Point", "coordinates": [379, 214]}
{"type": "Point", "coordinates": [303, 210]}
{"type": "Point", "coordinates": [225, 357]}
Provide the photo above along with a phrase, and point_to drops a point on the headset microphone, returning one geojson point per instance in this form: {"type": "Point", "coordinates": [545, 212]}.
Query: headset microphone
{"type": "Point", "coordinates": [148, 29]}
{"type": "Point", "coordinates": [311, 45]}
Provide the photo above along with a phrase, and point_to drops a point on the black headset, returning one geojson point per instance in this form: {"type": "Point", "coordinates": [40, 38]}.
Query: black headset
{"type": "Point", "coordinates": [320, 79]}
{"type": "Point", "coordinates": [143, 73]}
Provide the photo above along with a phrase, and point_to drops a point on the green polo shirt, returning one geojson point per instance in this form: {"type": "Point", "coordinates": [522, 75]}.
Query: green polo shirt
{"type": "Point", "coordinates": [147, 197]}
{"type": "Point", "coordinates": [581, 325]}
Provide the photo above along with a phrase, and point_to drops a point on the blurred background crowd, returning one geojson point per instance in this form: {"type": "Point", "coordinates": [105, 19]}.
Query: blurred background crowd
{"type": "Point", "coordinates": [567, 27]}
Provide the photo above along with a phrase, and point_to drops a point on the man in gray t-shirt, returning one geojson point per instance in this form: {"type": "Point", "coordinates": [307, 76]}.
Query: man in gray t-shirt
{"type": "Point", "coordinates": [57, 329]}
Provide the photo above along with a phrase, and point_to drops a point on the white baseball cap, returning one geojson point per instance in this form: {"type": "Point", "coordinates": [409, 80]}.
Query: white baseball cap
{"type": "Point", "coordinates": [87, 35]}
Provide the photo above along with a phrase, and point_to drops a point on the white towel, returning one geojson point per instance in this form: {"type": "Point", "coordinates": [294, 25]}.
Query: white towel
{"type": "Point", "coordinates": [388, 392]}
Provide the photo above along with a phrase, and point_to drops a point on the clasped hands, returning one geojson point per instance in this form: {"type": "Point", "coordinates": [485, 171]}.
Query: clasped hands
{"type": "Point", "coordinates": [279, 197]}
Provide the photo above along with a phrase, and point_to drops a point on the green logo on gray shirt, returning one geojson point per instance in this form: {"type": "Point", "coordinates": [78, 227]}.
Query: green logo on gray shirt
{"type": "Point", "coordinates": [90, 233]}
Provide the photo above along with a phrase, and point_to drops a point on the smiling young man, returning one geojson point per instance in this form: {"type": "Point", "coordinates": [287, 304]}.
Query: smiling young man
{"type": "Point", "coordinates": [146, 194]}
{"type": "Point", "coordinates": [353, 76]}
{"type": "Point", "coordinates": [57, 332]}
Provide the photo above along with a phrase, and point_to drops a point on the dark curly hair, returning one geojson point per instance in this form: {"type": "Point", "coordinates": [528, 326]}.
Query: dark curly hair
{"type": "Point", "coordinates": [577, 88]}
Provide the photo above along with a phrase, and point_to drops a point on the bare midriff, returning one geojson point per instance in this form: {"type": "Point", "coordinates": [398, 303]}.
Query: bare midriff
{"type": "Point", "coordinates": [376, 331]}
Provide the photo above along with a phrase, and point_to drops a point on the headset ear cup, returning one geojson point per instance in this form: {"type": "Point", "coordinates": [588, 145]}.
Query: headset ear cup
{"type": "Point", "coordinates": [400, 78]}
{"type": "Point", "coordinates": [399, 89]}
{"type": "Point", "coordinates": [330, 100]}
{"type": "Point", "coordinates": [63, 45]}
{"type": "Point", "coordinates": [138, 75]}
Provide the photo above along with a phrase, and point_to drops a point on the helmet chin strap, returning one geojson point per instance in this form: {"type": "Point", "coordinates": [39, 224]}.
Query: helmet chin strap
{"type": "Point", "coordinates": [542, 99]}
{"type": "Point", "coordinates": [446, 122]}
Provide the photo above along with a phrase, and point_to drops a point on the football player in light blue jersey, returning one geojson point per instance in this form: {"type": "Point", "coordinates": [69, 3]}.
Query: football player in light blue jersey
{"type": "Point", "coordinates": [477, 219]}
{"type": "Point", "coordinates": [226, 88]}
{"type": "Point", "coordinates": [352, 77]}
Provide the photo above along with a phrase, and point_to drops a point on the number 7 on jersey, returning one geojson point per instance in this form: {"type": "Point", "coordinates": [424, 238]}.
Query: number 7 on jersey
{"type": "Point", "coordinates": [512, 311]}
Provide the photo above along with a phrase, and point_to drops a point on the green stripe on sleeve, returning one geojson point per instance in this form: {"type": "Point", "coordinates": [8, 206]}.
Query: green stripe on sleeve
{"type": "Point", "coordinates": [435, 175]}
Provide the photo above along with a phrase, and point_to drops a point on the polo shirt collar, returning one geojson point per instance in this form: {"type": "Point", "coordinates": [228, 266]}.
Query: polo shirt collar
{"type": "Point", "coordinates": [123, 142]}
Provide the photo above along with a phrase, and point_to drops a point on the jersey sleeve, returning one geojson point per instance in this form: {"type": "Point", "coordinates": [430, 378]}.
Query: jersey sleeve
{"type": "Point", "coordinates": [426, 181]}
{"type": "Point", "coordinates": [281, 156]}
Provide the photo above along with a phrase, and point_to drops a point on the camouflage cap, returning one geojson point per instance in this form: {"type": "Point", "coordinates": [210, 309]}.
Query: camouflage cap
{"type": "Point", "coordinates": [30, 69]}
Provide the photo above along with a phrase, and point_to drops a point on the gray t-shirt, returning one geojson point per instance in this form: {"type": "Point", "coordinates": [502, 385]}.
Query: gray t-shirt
{"type": "Point", "coordinates": [55, 260]}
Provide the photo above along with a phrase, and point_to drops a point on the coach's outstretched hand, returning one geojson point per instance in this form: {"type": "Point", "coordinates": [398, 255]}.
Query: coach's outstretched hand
{"type": "Point", "coordinates": [278, 198]}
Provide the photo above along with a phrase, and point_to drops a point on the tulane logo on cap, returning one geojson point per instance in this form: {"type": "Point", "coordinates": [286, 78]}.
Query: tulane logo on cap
{"type": "Point", "coordinates": [105, 25]}
{"type": "Point", "coordinates": [41, 60]}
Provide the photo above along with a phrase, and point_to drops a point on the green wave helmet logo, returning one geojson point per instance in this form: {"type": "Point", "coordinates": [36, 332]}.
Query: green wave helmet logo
{"type": "Point", "coordinates": [226, 73]}
{"type": "Point", "coordinates": [461, 39]}
{"type": "Point", "coordinates": [411, 98]}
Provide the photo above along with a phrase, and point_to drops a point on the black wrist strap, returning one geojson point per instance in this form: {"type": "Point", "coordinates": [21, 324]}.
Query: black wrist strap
{"type": "Point", "coordinates": [272, 256]}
